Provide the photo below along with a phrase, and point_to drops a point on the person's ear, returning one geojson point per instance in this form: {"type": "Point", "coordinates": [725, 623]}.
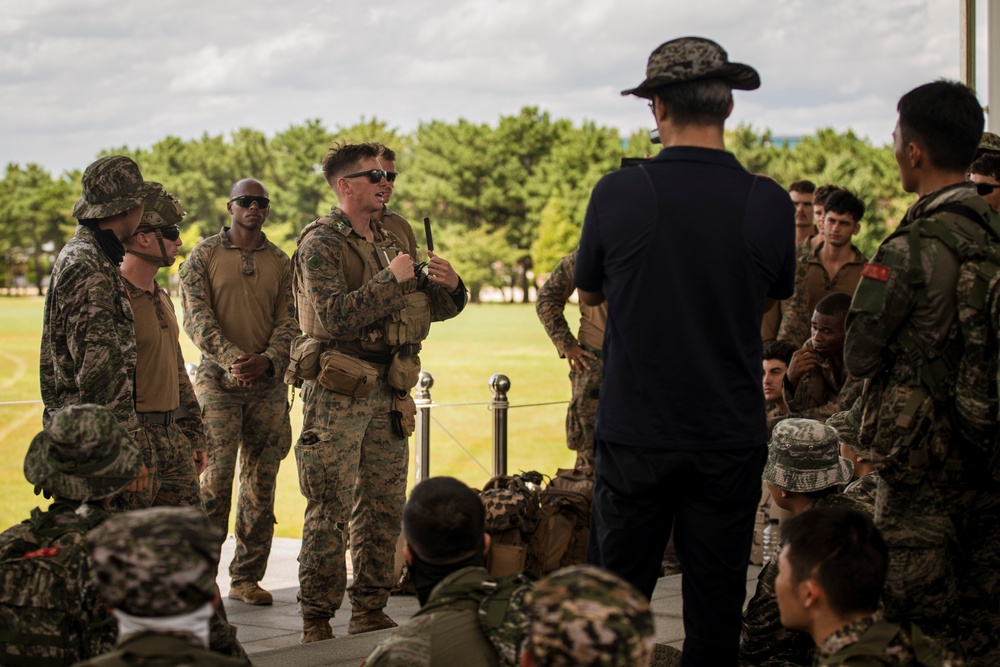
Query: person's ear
{"type": "Point", "coordinates": [407, 554]}
{"type": "Point", "coordinates": [486, 543]}
{"type": "Point", "coordinates": [812, 593]}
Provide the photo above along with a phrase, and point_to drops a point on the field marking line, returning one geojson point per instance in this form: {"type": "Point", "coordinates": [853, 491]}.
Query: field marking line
{"type": "Point", "coordinates": [17, 423]}
{"type": "Point", "coordinates": [19, 370]}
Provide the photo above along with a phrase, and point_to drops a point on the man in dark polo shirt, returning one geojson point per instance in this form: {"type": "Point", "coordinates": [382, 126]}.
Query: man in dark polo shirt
{"type": "Point", "coordinates": [681, 428]}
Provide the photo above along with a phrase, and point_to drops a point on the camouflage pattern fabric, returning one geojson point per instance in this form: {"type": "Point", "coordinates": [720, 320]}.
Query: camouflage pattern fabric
{"type": "Point", "coordinates": [173, 478]}
{"type": "Point", "coordinates": [151, 649]}
{"type": "Point", "coordinates": [847, 424]}
{"type": "Point", "coordinates": [582, 615]}
{"type": "Point", "coordinates": [874, 641]}
{"type": "Point", "coordinates": [864, 490]}
{"type": "Point", "coordinates": [990, 143]}
{"type": "Point", "coordinates": [690, 59]}
{"type": "Point", "coordinates": [49, 608]}
{"type": "Point", "coordinates": [111, 185]}
{"type": "Point", "coordinates": [88, 342]}
{"type": "Point", "coordinates": [822, 391]}
{"type": "Point", "coordinates": [804, 455]}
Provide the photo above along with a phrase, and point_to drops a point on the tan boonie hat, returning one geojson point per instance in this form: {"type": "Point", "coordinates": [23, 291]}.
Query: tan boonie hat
{"type": "Point", "coordinates": [84, 454]}
{"type": "Point", "coordinates": [111, 185]}
{"type": "Point", "coordinates": [583, 615]}
{"type": "Point", "coordinates": [804, 456]}
{"type": "Point", "coordinates": [162, 210]}
{"type": "Point", "coordinates": [156, 562]}
{"type": "Point", "coordinates": [691, 59]}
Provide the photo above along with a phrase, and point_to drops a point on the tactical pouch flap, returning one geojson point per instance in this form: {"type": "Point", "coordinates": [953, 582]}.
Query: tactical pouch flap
{"type": "Point", "coordinates": [304, 359]}
{"type": "Point", "coordinates": [412, 323]}
{"type": "Point", "coordinates": [347, 375]}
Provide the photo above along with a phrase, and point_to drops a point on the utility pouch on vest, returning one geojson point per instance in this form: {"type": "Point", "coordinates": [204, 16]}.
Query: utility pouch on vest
{"type": "Point", "coordinates": [412, 323]}
{"type": "Point", "coordinates": [403, 413]}
{"type": "Point", "coordinates": [347, 375]}
{"type": "Point", "coordinates": [304, 360]}
{"type": "Point", "coordinates": [404, 371]}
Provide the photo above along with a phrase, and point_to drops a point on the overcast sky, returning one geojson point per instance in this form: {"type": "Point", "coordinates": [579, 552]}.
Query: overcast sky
{"type": "Point", "coordinates": [78, 76]}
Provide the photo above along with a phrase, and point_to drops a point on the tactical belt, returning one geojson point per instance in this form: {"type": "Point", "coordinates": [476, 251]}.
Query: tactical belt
{"type": "Point", "coordinates": [162, 418]}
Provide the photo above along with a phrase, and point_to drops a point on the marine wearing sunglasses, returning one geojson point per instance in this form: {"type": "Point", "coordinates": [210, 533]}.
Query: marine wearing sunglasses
{"type": "Point", "coordinates": [246, 200]}
{"type": "Point", "coordinates": [374, 175]}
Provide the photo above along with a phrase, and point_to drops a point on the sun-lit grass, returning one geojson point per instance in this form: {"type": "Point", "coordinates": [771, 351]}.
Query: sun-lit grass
{"type": "Point", "coordinates": [462, 355]}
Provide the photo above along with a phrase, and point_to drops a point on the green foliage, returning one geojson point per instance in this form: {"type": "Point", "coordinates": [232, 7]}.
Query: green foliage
{"type": "Point", "coordinates": [557, 236]}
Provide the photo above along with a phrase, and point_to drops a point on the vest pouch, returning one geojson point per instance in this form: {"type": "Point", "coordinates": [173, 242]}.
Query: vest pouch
{"type": "Point", "coordinates": [412, 323]}
{"type": "Point", "coordinates": [404, 371]}
{"type": "Point", "coordinates": [304, 360]}
{"type": "Point", "coordinates": [347, 375]}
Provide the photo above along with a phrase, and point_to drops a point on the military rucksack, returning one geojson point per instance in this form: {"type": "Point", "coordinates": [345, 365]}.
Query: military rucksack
{"type": "Point", "coordinates": [964, 376]}
{"type": "Point", "coordinates": [563, 524]}
{"type": "Point", "coordinates": [511, 503]}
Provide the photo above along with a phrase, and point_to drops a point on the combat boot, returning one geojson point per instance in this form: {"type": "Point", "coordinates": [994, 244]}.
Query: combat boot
{"type": "Point", "coordinates": [367, 621]}
{"type": "Point", "coordinates": [315, 630]}
{"type": "Point", "coordinates": [249, 592]}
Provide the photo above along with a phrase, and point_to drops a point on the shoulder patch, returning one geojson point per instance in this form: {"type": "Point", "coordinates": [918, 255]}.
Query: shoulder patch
{"type": "Point", "coordinates": [183, 271]}
{"type": "Point", "coordinates": [314, 262]}
{"type": "Point", "coordinates": [875, 272]}
{"type": "Point", "coordinates": [47, 552]}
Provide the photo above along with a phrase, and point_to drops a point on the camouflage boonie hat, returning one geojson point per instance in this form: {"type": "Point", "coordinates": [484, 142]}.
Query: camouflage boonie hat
{"type": "Point", "coordinates": [990, 143]}
{"type": "Point", "coordinates": [804, 455]}
{"type": "Point", "coordinates": [848, 428]}
{"type": "Point", "coordinates": [111, 185]}
{"type": "Point", "coordinates": [582, 615]}
{"type": "Point", "coordinates": [84, 454]}
{"type": "Point", "coordinates": [156, 562]}
{"type": "Point", "coordinates": [691, 59]}
{"type": "Point", "coordinates": [162, 210]}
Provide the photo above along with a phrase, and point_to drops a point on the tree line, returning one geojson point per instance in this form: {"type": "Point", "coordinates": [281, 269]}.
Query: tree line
{"type": "Point", "coordinates": [506, 200]}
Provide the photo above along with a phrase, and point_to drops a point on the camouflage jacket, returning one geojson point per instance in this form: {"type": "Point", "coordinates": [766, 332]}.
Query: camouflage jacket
{"type": "Point", "coordinates": [88, 341]}
{"type": "Point", "coordinates": [46, 589]}
{"type": "Point", "coordinates": [764, 641]}
{"type": "Point", "coordinates": [821, 392]}
{"type": "Point", "coordinates": [551, 304]}
{"type": "Point", "coordinates": [874, 642]}
{"type": "Point", "coordinates": [152, 649]}
{"type": "Point", "coordinates": [885, 314]}
{"type": "Point", "coordinates": [201, 323]}
{"type": "Point", "coordinates": [445, 632]}
{"type": "Point", "coordinates": [864, 490]}
{"type": "Point", "coordinates": [812, 283]}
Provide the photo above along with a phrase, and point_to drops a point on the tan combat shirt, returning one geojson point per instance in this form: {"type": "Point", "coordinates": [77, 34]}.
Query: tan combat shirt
{"type": "Point", "coordinates": [156, 384]}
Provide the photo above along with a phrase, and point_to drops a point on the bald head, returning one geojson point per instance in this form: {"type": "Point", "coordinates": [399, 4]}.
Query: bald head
{"type": "Point", "coordinates": [247, 186]}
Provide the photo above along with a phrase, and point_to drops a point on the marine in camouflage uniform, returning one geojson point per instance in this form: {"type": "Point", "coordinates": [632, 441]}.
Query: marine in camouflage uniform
{"type": "Point", "coordinates": [583, 353]}
{"type": "Point", "coordinates": [872, 641]}
{"type": "Point", "coordinates": [821, 391]}
{"type": "Point", "coordinates": [582, 616]}
{"type": "Point", "coordinates": [238, 310]}
{"type": "Point", "coordinates": [88, 343]}
{"type": "Point", "coordinates": [351, 457]}
{"type": "Point", "coordinates": [936, 507]}
{"type": "Point", "coordinates": [156, 568]}
{"type": "Point", "coordinates": [49, 609]}
{"type": "Point", "coordinates": [172, 436]}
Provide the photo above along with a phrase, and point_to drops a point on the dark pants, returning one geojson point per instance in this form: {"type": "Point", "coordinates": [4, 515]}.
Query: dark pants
{"type": "Point", "coordinates": [709, 500]}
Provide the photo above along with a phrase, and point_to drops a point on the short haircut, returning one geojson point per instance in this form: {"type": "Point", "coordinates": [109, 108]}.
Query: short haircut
{"type": "Point", "coordinates": [782, 350]}
{"type": "Point", "coordinates": [803, 186]}
{"type": "Point", "coordinates": [341, 158]}
{"type": "Point", "coordinates": [844, 202]}
{"type": "Point", "coordinates": [946, 120]}
{"type": "Point", "coordinates": [700, 102]}
{"type": "Point", "coordinates": [834, 305]}
{"type": "Point", "coordinates": [444, 520]}
{"type": "Point", "coordinates": [386, 152]}
{"type": "Point", "coordinates": [842, 550]}
{"type": "Point", "coordinates": [822, 192]}
{"type": "Point", "coordinates": [987, 164]}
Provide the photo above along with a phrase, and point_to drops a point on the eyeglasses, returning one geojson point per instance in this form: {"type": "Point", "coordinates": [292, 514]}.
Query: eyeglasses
{"type": "Point", "coordinates": [375, 175]}
{"type": "Point", "coordinates": [246, 200]}
{"type": "Point", "coordinates": [171, 233]}
{"type": "Point", "coordinates": [984, 189]}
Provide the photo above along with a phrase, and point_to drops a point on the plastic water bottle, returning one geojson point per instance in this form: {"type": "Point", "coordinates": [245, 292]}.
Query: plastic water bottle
{"type": "Point", "coordinates": [770, 539]}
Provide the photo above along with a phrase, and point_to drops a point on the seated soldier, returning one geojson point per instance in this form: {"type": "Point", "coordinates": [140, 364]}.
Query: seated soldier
{"type": "Point", "coordinates": [985, 173]}
{"type": "Point", "coordinates": [446, 544]}
{"type": "Point", "coordinates": [584, 616]}
{"type": "Point", "coordinates": [865, 481]}
{"type": "Point", "coordinates": [777, 356]}
{"type": "Point", "coordinates": [49, 612]}
{"type": "Point", "coordinates": [817, 384]}
{"type": "Point", "coordinates": [831, 572]}
{"type": "Point", "coordinates": [156, 569]}
{"type": "Point", "coordinates": [803, 470]}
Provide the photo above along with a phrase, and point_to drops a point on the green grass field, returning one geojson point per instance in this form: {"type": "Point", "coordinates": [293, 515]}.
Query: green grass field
{"type": "Point", "coordinates": [462, 355]}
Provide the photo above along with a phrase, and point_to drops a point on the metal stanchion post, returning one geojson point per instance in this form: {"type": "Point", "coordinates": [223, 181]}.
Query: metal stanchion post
{"type": "Point", "coordinates": [423, 402]}
{"type": "Point", "coordinates": [500, 384]}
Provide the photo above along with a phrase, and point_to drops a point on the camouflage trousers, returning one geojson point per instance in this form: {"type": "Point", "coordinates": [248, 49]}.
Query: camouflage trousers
{"type": "Point", "coordinates": [352, 471]}
{"type": "Point", "coordinates": [250, 424]}
{"type": "Point", "coordinates": [944, 557]}
{"type": "Point", "coordinates": [173, 479]}
{"type": "Point", "coordinates": [581, 416]}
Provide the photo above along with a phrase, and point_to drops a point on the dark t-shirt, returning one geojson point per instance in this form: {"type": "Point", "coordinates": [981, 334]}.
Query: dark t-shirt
{"type": "Point", "coordinates": [685, 248]}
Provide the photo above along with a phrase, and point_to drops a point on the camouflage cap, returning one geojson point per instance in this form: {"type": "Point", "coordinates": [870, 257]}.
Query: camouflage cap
{"type": "Point", "coordinates": [691, 59]}
{"type": "Point", "coordinates": [804, 455]}
{"type": "Point", "coordinates": [582, 615]}
{"type": "Point", "coordinates": [990, 143]}
{"type": "Point", "coordinates": [84, 454]}
{"type": "Point", "coordinates": [111, 185]}
{"type": "Point", "coordinates": [156, 562]}
{"type": "Point", "coordinates": [848, 428]}
{"type": "Point", "coordinates": [162, 210]}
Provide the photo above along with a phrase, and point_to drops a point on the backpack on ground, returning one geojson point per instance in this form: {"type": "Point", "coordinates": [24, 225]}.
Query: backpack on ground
{"type": "Point", "coordinates": [511, 503]}
{"type": "Point", "coordinates": [563, 526]}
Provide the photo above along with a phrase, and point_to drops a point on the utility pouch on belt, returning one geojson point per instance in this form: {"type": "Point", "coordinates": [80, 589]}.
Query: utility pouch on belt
{"type": "Point", "coordinates": [304, 360]}
{"type": "Point", "coordinates": [403, 371]}
{"type": "Point", "coordinates": [404, 413]}
{"type": "Point", "coordinates": [412, 323]}
{"type": "Point", "coordinates": [347, 375]}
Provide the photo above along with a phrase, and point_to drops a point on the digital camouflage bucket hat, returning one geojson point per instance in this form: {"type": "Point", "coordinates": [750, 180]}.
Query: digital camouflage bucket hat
{"type": "Point", "coordinates": [84, 454]}
{"type": "Point", "coordinates": [582, 615]}
{"type": "Point", "coordinates": [804, 456]}
{"type": "Point", "coordinates": [156, 562]}
{"type": "Point", "coordinates": [691, 59]}
{"type": "Point", "coordinates": [111, 185]}
{"type": "Point", "coordinates": [848, 428]}
{"type": "Point", "coordinates": [990, 143]}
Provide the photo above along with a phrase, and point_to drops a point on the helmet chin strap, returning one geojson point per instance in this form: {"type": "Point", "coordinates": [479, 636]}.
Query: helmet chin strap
{"type": "Point", "coordinates": [162, 259]}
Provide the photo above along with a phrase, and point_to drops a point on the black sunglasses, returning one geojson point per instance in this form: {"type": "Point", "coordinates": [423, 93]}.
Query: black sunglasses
{"type": "Point", "coordinates": [171, 233]}
{"type": "Point", "coordinates": [375, 175]}
{"type": "Point", "coordinates": [984, 189]}
{"type": "Point", "coordinates": [246, 200]}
